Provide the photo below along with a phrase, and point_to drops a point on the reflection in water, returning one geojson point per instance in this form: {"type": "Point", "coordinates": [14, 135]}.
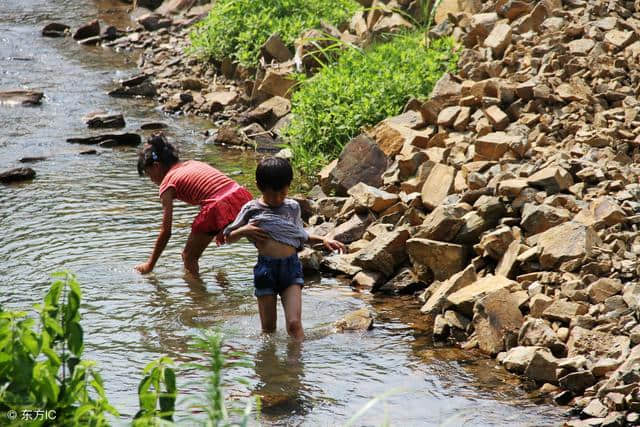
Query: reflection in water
{"type": "Point", "coordinates": [280, 378]}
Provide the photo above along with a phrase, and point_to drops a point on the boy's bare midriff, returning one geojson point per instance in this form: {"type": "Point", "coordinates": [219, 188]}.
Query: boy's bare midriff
{"type": "Point", "coordinates": [274, 249]}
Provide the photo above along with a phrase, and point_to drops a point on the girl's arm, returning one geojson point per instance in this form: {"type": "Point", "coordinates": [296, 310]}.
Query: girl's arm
{"type": "Point", "coordinates": [165, 232]}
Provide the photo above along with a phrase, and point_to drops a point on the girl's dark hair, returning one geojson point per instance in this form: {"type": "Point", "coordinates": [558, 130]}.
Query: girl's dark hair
{"type": "Point", "coordinates": [157, 149]}
{"type": "Point", "coordinates": [273, 173]}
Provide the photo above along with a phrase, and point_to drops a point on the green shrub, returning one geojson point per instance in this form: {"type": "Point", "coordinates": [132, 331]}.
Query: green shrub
{"type": "Point", "coordinates": [237, 28]}
{"type": "Point", "coordinates": [362, 88]}
{"type": "Point", "coordinates": [41, 369]}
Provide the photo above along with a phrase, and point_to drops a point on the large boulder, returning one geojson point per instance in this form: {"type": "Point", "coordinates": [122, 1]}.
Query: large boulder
{"type": "Point", "coordinates": [497, 321]}
{"type": "Point", "coordinates": [438, 299]}
{"type": "Point", "coordinates": [16, 175]}
{"type": "Point", "coordinates": [442, 259]}
{"type": "Point", "coordinates": [438, 185]}
{"type": "Point", "coordinates": [361, 160]}
{"type": "Point", "coordinates": [596, 344]}
{"type": "Point", "coordinates": [372, 198]}
{"type": "Point", "coordinates": [384, 253]}
{"type": "Point", "coordinates": [564, 242]}
{"type": "Point", "coordinates": [465, 298]}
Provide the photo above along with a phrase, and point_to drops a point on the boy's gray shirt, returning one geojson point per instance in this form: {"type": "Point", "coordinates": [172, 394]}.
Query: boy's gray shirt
{"type": "Point", "coordinates": [283, 224]}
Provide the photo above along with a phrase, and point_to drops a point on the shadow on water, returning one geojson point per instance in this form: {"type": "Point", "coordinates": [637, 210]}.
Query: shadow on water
{"type": "Point", "coordinates": [94, 216]}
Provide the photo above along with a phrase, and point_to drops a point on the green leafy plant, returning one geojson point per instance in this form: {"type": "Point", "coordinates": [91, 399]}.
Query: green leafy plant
{"type": "Point", "coordinates": [220, 411]}
{"type": "Point", "coordinates": [360, 89]}
{"type": "Point", "coordinates": [43, 369]}
{"type": "Point", "coordinates": [236, 29]}
{"type": "Point", "coordinates": [157, 393]}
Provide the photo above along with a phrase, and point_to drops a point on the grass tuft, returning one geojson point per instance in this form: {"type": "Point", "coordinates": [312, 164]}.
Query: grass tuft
{"type": "Point", "coordinates": [360, 89]}
{"type": "Point", "coordinates": [236, 29]}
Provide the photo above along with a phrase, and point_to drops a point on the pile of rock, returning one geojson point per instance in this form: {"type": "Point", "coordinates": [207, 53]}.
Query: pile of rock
{"type": "Point", "coordinates": [509, 200]}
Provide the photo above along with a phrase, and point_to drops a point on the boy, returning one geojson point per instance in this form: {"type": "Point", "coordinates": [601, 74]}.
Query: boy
{"type": "Point", "coordinates": [274, 224]}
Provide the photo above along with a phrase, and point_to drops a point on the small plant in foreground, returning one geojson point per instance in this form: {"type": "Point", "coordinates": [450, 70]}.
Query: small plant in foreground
{"type": "Point", "coordinates": [42, 369]}
{"type": "Point", "coordinates": [214, 404]}
{"type": "Point", "coordinates": [360, 89]}
{"type": "Point", "coordinates": [236, 29]}
{"type": "Point", "coordinates": [157, 388]}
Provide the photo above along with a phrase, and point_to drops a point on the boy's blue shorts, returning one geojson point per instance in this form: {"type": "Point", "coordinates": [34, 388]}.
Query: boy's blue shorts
{"type": "Point", "coordinates": [272, 276]}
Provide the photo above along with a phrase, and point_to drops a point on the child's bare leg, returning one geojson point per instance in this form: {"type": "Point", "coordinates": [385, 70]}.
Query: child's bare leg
{"type": "Point", "coordinates": [196, 244]}
{"type": "Point", "coordinates": [292, 304]}
{"type": "Point", "coordinates": [268, 313]}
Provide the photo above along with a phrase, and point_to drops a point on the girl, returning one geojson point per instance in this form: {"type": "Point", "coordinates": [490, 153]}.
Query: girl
{"type": "Point", "coordinates": [219, 197]}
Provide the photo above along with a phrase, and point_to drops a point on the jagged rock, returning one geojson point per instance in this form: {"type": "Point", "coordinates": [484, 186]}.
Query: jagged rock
{"type": "Point", "coordinates": [270, 111]}
{"type": "Point", "coordinates": [368, 279]}
{"type": "Point", "coordinates": [443, 223]}
{"type": "Point", "coordinates": [597, 344]}
{"type": "Point", "coordinates": [154, 21]}
{"type": "Point", "coordinates": [577, 382]}
{"type": "Point", "coordinates": [563, 310]}
{"type": "Point", "coordinates": [372, 198]}
{"type": "Point", "coordinates": [542, 367]}
{"type": "Point", "coordinates": [508, 260]}
{"type": "Point", "coordinates": [310, 259]}
{"type": "Point", "coordinates": [438, 185]}
{"type": "Point", "coordinates": [495, 243]}
{"type": "Point", "coordinates": [275, 49]}
{"type": "Point", "coordinates": [536, 219]}
{"type": "Point", "coordinates": [101, 121]}
{"type": "Point", "coordinates": [277, 83]}
{"type": "Point", "coordinates": [551, 179]}
{"type": "Point", "coordinates": [110, 140]}
{"type": "Point", "coordinates": [403, 283]}
{"type": "Point", "coordinates": [55, 29]}
{"type": "Point", "coordinates": [465, 298]}
{"type": "Point", "coordinates": [22, 97]}
{"type": "Point", "coordinates": [518, 358]}
{"type": "Point", "coordinates": [498, 119]}
{"type": "Point", "coordinates": [359, 320]}
{"type": "Point", "coordinates": [218, 100]}
{"type": "Point", "coordinates": [438, 299]}
{"type": "Point", "coordinates": [538, 304]}
{"type": "Point", "coordinates": [384, 254]}
{"type": "Point", "coordinates": [564, 242]}
{"type": "Point", "coordinates": [535, 332]}
{"type": "Point", "coordinates": [91, 29]}
{"type": "Point", "coordinates": [497, 321]}
{"type": "Point", "coordinates": [438, 258]}
{"type": "Point", "coordinates": [341, 263]}
{"type": "Point", "coordinates": [595, 409]}
{"type": "Point", "coordinates": [16, 175]}
{"type": "Point", "coordinates": [498, 39]}
{"type": "Point", "coordinates": [361, 160]}
{"type": "Point", "coordinates": [352, 229]}
{"type": "Point", "coordinates": [494, 145]}
{"type": "Point", "coordinates": [604, 288]}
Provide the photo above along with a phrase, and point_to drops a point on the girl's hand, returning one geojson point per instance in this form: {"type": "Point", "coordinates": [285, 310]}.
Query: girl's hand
{"type": "Point", "coordinates": [253, 232]}
{"type": "Point", "coordinates": [144, 268]}
{"type": "Point", "coordinates": [221, 239]}
{"type": "Point", "coordinates": [334, 245]}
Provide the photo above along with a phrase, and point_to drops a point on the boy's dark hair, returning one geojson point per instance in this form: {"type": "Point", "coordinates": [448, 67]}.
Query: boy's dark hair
{"type": "Point", "coordinates": [273, 173]}
{"type": "Point", "coordinates": [157, 149]}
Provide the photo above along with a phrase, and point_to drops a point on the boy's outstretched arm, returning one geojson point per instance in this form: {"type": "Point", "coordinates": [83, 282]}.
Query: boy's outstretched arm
{"type": "Point", "coordinates": [332, 245]}
{"type": "Point", "coordinates": [165, 232]}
